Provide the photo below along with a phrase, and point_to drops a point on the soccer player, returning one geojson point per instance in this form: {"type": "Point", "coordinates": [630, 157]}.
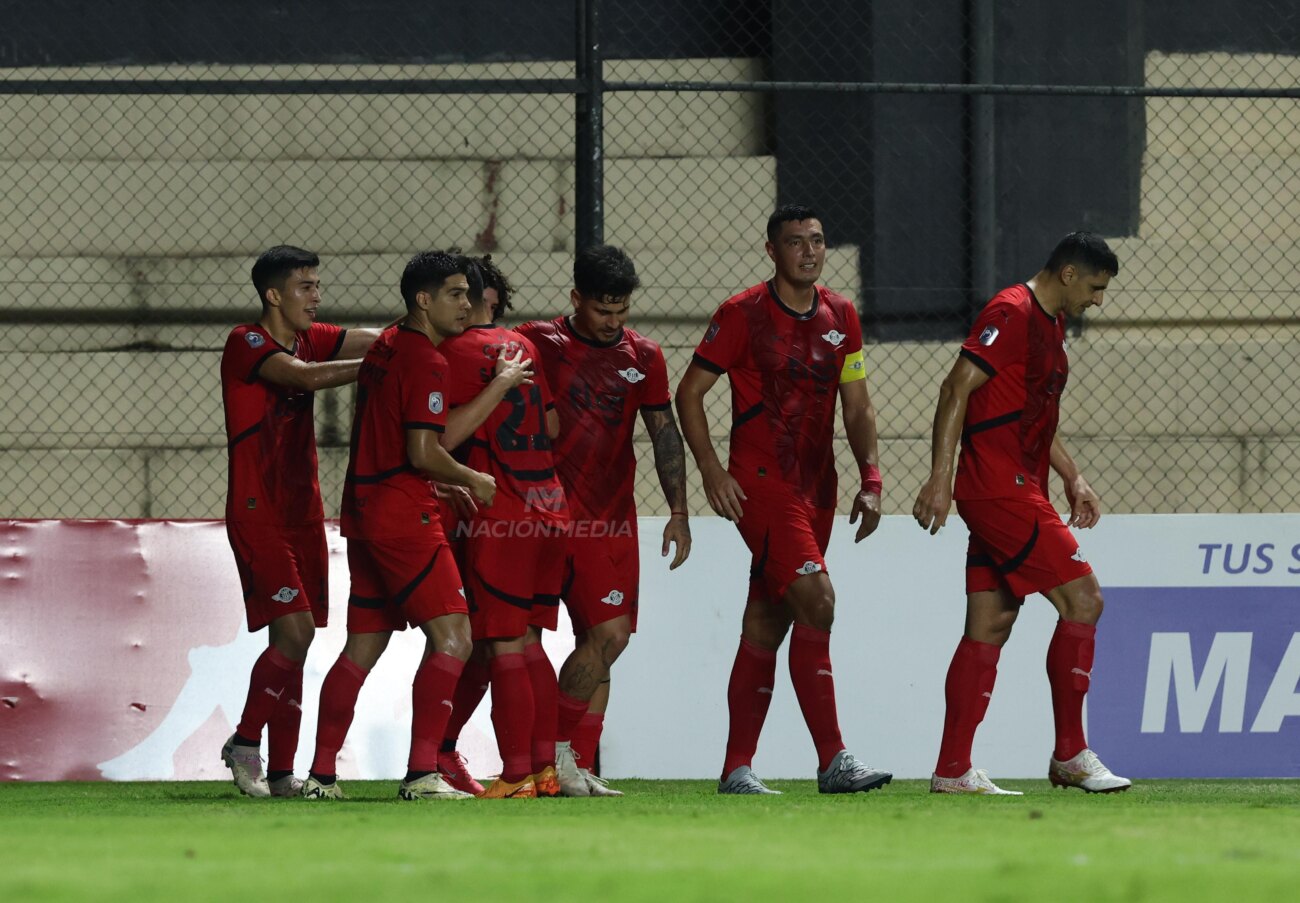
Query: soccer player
{"type": "Point", "coordinates": [1002, 398]}
{"type": "Point", "coordinates": [602, 374]}
{"type": "Point", "coordinates": [514, 550]}
{"type": "Point", "coordinates": [497, 290]}
{"type": "Point", "coordinates": [788, 346]}
{"type": "Point", "coordinates": [274, 518]}
{"type": "Point", "coordinates": [402, 570]}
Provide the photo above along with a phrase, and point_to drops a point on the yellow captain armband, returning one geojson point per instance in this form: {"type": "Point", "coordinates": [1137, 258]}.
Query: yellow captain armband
{"type": "Point", "coordinates": [854, 368]}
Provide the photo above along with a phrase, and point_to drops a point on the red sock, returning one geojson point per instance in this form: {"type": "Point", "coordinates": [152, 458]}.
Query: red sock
{"type": "Point", "coordinates": [1069, 670]}
{"type": "Point", "coordinates": [282, 730]}
{"type": "Point", "coordinates": [967, 691]}
{"type": "Point", "coordinates": [338, 702]}
{"type": "Point", "coordinates": [431, 706]}
{"type": "Point", "coordinates": [810, 672]}
{"type": "Point", "coordinates": [586, 738]}
{"type": "Point", "coordinates": [271, 674]}
{"type": "Point", "coordinates": [512, 715]}
{"type": "Point", "coordinates": [470, 690]}
{"type": "Point", "coordinates": [571, 711]}
{"type": "Point", "coordinates": [749, 693]}
{"type": "Point", "coordinates": [546, 702]}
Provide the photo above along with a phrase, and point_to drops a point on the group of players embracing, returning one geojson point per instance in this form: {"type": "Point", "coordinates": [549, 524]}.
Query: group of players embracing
{"type": "Point", "coordinates": [491, 474]}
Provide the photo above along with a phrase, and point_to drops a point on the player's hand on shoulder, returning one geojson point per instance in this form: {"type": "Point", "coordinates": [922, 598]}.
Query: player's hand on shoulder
{"type": "Point", "coordinates": [867, 506]}
{"type": "Point", "coordinates": [1085, 505]}
{"type": "Point", "coordinates": [723, 492]}
{"type": "Point", "coordinates": [932, 504]}
{"type": "Point", "coordinates": [514, 369]}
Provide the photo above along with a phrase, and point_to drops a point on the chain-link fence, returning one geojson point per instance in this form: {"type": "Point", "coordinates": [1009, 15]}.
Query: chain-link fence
{"type": "Point", "coordinates": [947, 146]}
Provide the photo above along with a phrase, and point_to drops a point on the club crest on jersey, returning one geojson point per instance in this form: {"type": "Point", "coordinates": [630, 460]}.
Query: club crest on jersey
{"type": "Point", "coordinates": [435, 402]}
{"type": "Point", "coordinates": [809, 567]}
{"type": "Point", "coordinates": [286, 594]}
{"type": "Point", "coordinates": [254, 339]}
{"type": "Point", "coordinates": [989, 335]}
{"type": "Point", "coordinates": [614, 598]}
{"type": "Point", "coordinates": [632, 375]}
{"type": "Point", "coordinates": [712, 332]}
{"type": "Point", "coordinates": [835, 337]}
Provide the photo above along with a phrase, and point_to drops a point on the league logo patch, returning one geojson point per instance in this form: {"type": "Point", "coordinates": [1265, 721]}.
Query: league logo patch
{"type": "Point", "coordinates": [712, 332]}
{"type": "Point", "coordinates": [835, 337]}
{"type": "Point", "coordinates": [286, 594]}
{"type": "Point", "coordinates": [435, 402]}
{"type": "Point", "coordinates": [254, 339]}
{"type": "Point", "coordinates": [614, 598]}
{"type": "Point", "coordinates": [856, 365]}
{"type": "Point", "coordinates": [632, 375]}
{"type": "Point", "coordinates": [809, 567]}
{"type": "Point", "coordinates": [989, 335]}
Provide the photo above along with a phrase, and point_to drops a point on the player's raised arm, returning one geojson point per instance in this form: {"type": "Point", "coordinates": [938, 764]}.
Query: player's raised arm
{"type": "Point", "coordinates": [935, 497]}
{"type": "Point", "coordinates": [511, 370]}
{"type": "Point", "coordinates": [721, 489]}
{"type": "Point", "coordinates": [670, 464]}
{"type": "Point", "coordinates": [357, 341]}
{"type": "Point", "coordinates": [287, 370]}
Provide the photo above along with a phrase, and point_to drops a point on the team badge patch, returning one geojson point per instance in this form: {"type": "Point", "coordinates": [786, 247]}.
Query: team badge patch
{"type": "Point", "coordinates": [254, 339]}
{"type": "Point", "coordinates": [809, 567]}
{"type": "Point", "coordinates": [835, 337]}
{"type": "Point", "coordinates": [614, 598]}
{"type": "Point", "coordinates": [632, 375]}
{"type": "Point", "coordinates": [989, 335]}
{"type": "Point", "coordinates": [435, 402]}
{"type": "Point", "coordinates": [286, 594]}
{"type": "Point", "coordinates": [712, 332]}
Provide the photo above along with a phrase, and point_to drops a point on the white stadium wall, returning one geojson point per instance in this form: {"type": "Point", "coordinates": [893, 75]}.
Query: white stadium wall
{"type": "Point", "coordinates": [123, 655]}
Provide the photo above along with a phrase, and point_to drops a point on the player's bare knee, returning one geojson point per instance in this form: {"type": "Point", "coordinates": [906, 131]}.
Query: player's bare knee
{"type": "Point", "coordinates": [292, 637]}
{"type": "Point", "coordinates": [457, 644]}
{"type": "Point", "coordinates": [1086, 607]}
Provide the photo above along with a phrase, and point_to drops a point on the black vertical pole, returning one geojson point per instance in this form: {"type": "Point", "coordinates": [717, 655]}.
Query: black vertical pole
{"type": "Point", "coordinates": [984, 217]}
{"type": "Point", "coordinates": [589, 162]}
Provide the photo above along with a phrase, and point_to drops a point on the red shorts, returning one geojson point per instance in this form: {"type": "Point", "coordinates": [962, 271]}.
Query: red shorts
{"type": "Point", "coordinates": [1019, 545]}
{"type": "Point", "coordinates": [282, 570]}
{"type": "Point", "coordinates": [400, 582]}
{"type": "Point", "coordinates": [602, 576]}
{"type": "Point", "coordinates": [786, 535]}
{"type": "Point", "coordinates": [511, 564]}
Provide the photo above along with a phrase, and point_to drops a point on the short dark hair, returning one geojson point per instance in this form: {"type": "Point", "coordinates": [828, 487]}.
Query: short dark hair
{"type": "Point", "coordinates": [494, 278]}
{"type": "Point", "coordinates": [1086, 250]}
{"type": "Point", "coordinates": [273, 267]}
{"type": "Point", "coordinates": [474, 276]}
{"type": "Point", "coordinates": [428, 270]}
{"type": "Point", "coordinates": [604, 271]}
{"type": "Point", "coordinates": [788, 213]}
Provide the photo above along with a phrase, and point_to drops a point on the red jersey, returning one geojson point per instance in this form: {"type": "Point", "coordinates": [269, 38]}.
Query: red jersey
{"type": "Point", "coordinates": [785, 370]}
{"type": "Point", "coordinates": [270, 430]}
{"type": "Point", "coordinates": [599, 388]}
{"type": "Point", "coordinates": [1006, 440]}
{"type": "Point", "coordinates": [512, 444]}
{"type": "Point", "coordinates": [402, 385]}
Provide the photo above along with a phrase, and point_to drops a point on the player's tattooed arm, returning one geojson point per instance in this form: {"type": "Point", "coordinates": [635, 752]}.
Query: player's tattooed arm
{"type": "Point", "coordinates": [670, 463]}
{"type": "Point", "coordinates": [670, 455]}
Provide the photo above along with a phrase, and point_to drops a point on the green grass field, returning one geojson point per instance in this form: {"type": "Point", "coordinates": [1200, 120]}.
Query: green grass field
{"type": "Point", "coordinates": [665, 841]}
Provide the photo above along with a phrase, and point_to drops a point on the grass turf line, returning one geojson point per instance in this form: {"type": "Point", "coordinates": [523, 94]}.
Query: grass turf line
{"type": "Point", "coordinates": [666, 840]}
